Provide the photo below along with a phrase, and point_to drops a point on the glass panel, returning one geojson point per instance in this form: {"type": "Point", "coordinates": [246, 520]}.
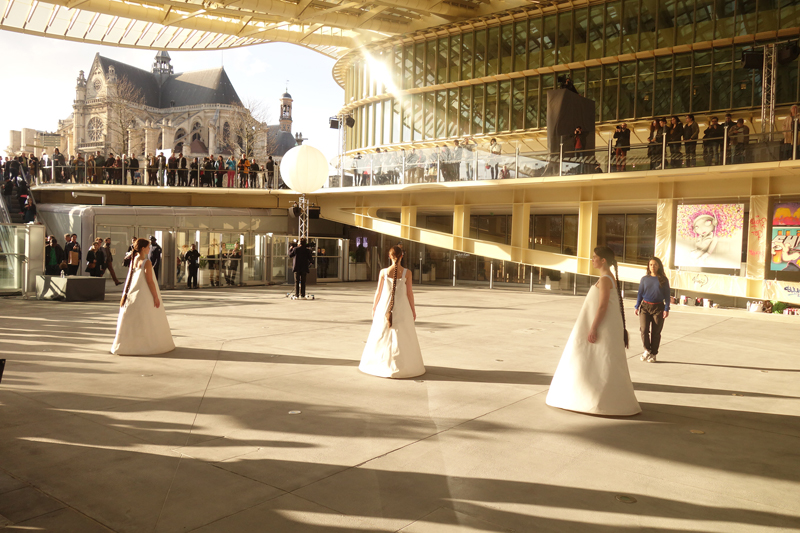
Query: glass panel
{"type": "Point", "coordinates": [767, 15]}
{"type": "Point", "coordinates": [628, 88]}
{"type": "Point", "coordinates": [663, 85]}
{"type": "Point", "coordinates": [684, 19]}
{"type": "Point", "coordinates": [452, 113]}
{"type": "Point", "coordinates": [419, 118]}
{"type": "Point", "coordinates": [430, 113]}
{"type": "Point", "coordinates": [630, 26]}
{"type": "Point", "coordinates": [640, 238]}
{"type": "Point", "coordinates": [419, 62]}
{"type": "Point", "coordinates": [579, 36]}
{"type": "Point", "coordinates": [396, 122]}
{"type": "Point", "coordinates": [611, 232]}
{"type": "Point", "coordinates": [387, 122]}
{"type": "Point", "coordinates": [532, 103]}
{"type": "Point", "coordinates": [579, 80]}
{"type": "Point", "coordinates": [681, 93]}
{"type": "Point", "coordinates": [492, 51]}
{"type": "Point", "coordinates": [745, 17]}
{"type": "Point", "coordinates": [365, 125]}
{"type": "Point", "coordinates": [477, 109]}
{"type": "Point", "coordinates": [493, 228]}
{"type": "Point", "coordinates": [430, 63]}
{"type": "Point", "coordinates": [701, 86]}
{"type": "Point", "coordinates": [518, 105]}
{"type": "Point", "coordinates": [328, 257]}
{"type": "Point", "coordinates": [644, 89]}
{"type": "Point", "coordinates": [596, 31]}
{"type": "Point", "coordinates": [480, 53]}
{"type": "Point", "coordinates": [504, 107]}
{"type": "Point", "coordinates": [441, 61]}
{"type": "Point", "coordinates": [570, 234]}
{"type": "Point", "coordinates": [455, 57]}
{"type": "Point", "coordinates": [375, 125]}
{"type": "Point", "coordinates": [547, 81]}
{"type": "Point", "coordinates": [593, 89]}
{"type": "Point", "coordinates": [506, 48]}
{"type": "Point", "coordinates": [547, 233]}
{"type": "Point", "coordinates": [790, 13]}
{"type": "Point", "coordinates": [534, 43]}
{"type": "Point", "coordinates": [407, 119]}
{"type": "Point", "coordinates": [610, 91]}
{"type": "Point", "coordinates": [466, 56]}
{"type": "Point", "coordinates": [613, 18]}
{"type": "Point", "coordinates": [564, 37]}
{"type": "Point", "coordinates": [408, 67]}
{"type": "Point", "coordinates": [647, 25]}
{"type": "Point", "coordinates": [666, 23]}
{"type": "Point", "coordinates": [441, 114]}
{"type": "Point", "coordinates": [723, 14]}
{"type": "Point", "coordinates": [491, 108]}
{"type": "Point", "coordinates": [466, 99]}
{"type": "Point", "coordinates": [549, 41]}
{"type": "Point", "coordinates": [704, 20]}
{"type": "Point", "coordinates": [742, 82]}
{"type": "Point", "coordinates": [786, 88]}
{"type": "Point", "coordinates": [520, 45]}
{"type": "Point", "coordinates": [721, 95]}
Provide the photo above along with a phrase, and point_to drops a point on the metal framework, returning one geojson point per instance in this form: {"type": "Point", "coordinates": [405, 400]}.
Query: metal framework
{"type": "Point", "coordinates": [768, 83]}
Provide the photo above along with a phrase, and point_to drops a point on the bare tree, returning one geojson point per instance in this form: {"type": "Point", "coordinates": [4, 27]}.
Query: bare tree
{"type": "Point", "coordinates": [245, 131]}
{"type": "Point", "coordinates": [125, 110]}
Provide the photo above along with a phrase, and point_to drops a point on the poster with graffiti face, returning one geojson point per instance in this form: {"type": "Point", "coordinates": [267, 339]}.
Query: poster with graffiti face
{"type": "Point", "coordinates": [785, 248]}
{"type": "Point", "coordinates": [786, 214]}
{"type": "Point", "coordinates": [709, 236]}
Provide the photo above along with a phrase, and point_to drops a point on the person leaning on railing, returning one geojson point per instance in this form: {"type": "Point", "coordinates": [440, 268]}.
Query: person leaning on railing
{"type": "Point", "coordinates": [691, 132]}
{"type": "Point", "coordinates": [790, 128]}
{"type": "Point", "coordinates": [623, 136]}
{"type": "Point", "coordinates": [674, 137]}
{"type": "Point", "coordinates": [712, 142]}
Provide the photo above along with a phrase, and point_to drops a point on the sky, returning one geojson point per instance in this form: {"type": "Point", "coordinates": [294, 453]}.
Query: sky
{"type": "Point", "coordinates": [37, 87]}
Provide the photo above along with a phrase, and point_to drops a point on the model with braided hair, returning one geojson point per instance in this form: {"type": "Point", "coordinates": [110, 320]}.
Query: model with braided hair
{"type": "Point", "coordinates": [392, 349]}
{"type": "Point", "coordinates": [592, 375]}
{"type": "Point", "coordinates": [142, 326]}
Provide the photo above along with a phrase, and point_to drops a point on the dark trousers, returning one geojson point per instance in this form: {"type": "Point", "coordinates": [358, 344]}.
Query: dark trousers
{"type": "Point", "coordinates": [300, 284]}
{"type": "Point", "coordinates": [72, 270]}
{"type": "Point", "coordinates": [691, 153]}
{"type": "Point", "coordinates": [191, 279]}
{"type": "Point", "coordinates": [651, 320]}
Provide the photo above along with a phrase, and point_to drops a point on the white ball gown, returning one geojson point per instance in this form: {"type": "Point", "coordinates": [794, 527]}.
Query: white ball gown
{"type": "Point", "coordinates": [142, 329]}
{"type": "Point", "coordinates": [593, 377]}
{"type": "Point", "coordinates": [393, 352]}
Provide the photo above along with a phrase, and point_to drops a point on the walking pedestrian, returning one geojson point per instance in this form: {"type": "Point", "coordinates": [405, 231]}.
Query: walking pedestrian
{"type": "Point", "coordinates": [652, 308]}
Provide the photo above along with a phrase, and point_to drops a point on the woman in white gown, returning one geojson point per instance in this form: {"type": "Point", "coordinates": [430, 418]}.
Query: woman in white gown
{"type": "Point", "coordinates": [592, 375]}
{"type": "Point", "coordinates": [142, 327]}
{"type": "Point", "coordinates": [392, 349]}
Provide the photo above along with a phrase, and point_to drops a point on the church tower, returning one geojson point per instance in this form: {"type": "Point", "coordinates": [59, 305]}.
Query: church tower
{"type": "Point", "coordinates": [79, 112]}
{"type": "Point", "coordinates": [286, 112]}
{"type": "Point", "coordinates": [162, 67]}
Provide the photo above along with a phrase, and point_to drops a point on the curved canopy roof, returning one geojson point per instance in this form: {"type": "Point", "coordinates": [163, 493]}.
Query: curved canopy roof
{"type": "Point", "coordinates": [331, 27]}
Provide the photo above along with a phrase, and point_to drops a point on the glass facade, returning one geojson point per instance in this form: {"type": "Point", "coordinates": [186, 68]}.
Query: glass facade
{"type": "Point", "coordinates": [703, 80]}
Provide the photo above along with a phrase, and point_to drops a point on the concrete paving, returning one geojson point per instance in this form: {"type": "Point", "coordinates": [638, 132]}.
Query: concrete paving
{"type": "Point", "coordinates": [204, 439]}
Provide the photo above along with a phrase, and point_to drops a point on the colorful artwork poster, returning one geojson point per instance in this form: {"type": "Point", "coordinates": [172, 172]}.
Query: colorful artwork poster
{"type": "Point", "coordinates": [709, 236]}
{"type": "Point", "coordinates": [785, 248]}
{"type": "Point", "coordinates": [786, 214]}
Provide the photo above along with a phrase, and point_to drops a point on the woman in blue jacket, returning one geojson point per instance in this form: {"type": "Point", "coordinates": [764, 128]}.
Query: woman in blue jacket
{"type": "Point", "coordinates": [652, 308]}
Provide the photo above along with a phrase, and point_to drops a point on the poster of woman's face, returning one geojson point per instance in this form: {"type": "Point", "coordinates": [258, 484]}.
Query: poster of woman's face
{"type": "Point", "coordinates": [709, 236]}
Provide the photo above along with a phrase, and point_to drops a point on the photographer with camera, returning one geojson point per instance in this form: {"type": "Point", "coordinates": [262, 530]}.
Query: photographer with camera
{"type": "Point", "coordinates": [301, 259]}
{"type": "Point", "coordinates": [623, 136]}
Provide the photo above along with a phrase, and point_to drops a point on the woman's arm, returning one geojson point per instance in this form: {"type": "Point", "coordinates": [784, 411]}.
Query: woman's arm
{"type": "Point", "coordinates": [666, 290]}
{"type": "Point", "coordinates": [410, 294]}
{"type": "Point", "coordinates": [604, 285]}
{"type": "Point", "coordinates": [148, 275]}
{"type": "Point", "coordinates": [639, 297]}
{"type": "Point", "coordinates": [377, 294]}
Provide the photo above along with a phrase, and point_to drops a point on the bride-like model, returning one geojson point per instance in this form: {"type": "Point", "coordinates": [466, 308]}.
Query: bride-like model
{"type": "Point", "coordinates": [142, 327]}
{"type": "Point", "coordinates": [392, 349]}
{"type": "Point", "coordinates": [592, 375]}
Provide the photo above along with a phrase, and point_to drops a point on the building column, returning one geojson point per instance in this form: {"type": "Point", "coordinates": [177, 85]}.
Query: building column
{"type": "Point", "coordinates": [212, 139]}
{"type": "Point", "coordinates": [587, 235]}
{"type": "Point", "coordinates": [520, 230]}
{"type": "Point", "coordinates": [757, 259]}
{"type": "Point", "coordinates": [461, 215]}
{"type": "Point", "coordinates": [150, 141]}
{"type": "Point", "coordinates": [408, 220]}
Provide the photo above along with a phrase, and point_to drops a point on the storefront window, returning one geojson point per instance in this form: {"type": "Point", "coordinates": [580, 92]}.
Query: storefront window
{"type": "Point", "coordinates": [611, 233]}
{"type": "Point", "coordinates": [547, 233]}
{"type": "Point", "coordinates": [640, 238]}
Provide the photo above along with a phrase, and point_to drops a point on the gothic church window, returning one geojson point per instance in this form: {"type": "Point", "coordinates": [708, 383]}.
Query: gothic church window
{"type": "Point", "coordinates": [95, 129]}
{"type": "Point", "coordinates": [196, 136]}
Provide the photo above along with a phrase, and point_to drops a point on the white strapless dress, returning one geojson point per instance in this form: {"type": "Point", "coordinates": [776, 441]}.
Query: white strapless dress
{"type": "Point", "coordinates": [142, 329]}
{"type": "Point", "coordinates": [393, 352]}
{"type": "Point", "coordinates": [594, 377]}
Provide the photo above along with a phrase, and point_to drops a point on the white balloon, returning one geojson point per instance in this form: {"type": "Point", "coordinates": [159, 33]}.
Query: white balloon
{"type": "Point", "coordinates": [304, 169]}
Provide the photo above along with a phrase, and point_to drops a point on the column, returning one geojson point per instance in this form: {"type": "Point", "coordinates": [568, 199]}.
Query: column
{"type": "Point", "coordinates": [587, 235]}
{"type": "Point", "coordinates": [461, 215]}
{"type": "Point", "coordinates": [408, 220]}
{"type": "Point", "coordinates": [757, 259]}
{"type": "Point", "coordinates": [520, 230]}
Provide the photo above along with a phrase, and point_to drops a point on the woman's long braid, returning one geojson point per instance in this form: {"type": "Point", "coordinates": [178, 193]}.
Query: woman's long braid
{"type": "Point", "coordinates": [394, 288]}
{"type": "Point", "coordinates": [621, 306]}
{"type": "Point", "coordinates": [128, 281]}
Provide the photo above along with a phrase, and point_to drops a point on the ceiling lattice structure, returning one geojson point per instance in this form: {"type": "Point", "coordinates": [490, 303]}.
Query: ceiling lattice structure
{"type": "Point", "coordinates": [331, 27]}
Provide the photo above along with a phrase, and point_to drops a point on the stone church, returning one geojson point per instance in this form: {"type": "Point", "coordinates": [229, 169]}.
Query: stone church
{"type": "Point", "coordinates": [120, 108]}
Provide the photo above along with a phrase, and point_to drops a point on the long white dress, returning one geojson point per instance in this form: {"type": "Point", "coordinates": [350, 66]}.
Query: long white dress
{"type": "Point", "coordinates": [593, 377]}
{"type": "Point", "coordinates": [393, 352]}
{"type": "Point", "coordinates": [142, 329]}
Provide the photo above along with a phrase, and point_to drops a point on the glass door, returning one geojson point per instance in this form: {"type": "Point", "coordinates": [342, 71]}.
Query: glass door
{"type": "Point", "coordinates": [279, 269]}
{"type": "Point", "coordinates": [165, 238]}
{"type": "Point", "coordinates": [328, 259]}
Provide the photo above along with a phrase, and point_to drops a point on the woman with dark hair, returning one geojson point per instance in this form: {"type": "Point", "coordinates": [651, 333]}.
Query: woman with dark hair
{"type": "Point", "coordinates": [654, 147]}
{"type": "Point", "coordinates": [142, 326]}
{"type": "Point", "coordinates": [392, 349]}
{"type": "Point", "coordinates": [592, 375]}
{"type": "Point", "coordinates": [652, 307]}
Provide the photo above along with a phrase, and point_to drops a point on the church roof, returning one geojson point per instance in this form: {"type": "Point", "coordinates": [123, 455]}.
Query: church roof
{"type": "Point", "coordinates": [186, 88]}
{"type": "Point", "coordinates": [282, 143]}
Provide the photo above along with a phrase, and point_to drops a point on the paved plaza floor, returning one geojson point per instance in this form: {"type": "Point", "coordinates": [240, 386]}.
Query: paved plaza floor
{"type": "Point", "coordinates": [260, 421]}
